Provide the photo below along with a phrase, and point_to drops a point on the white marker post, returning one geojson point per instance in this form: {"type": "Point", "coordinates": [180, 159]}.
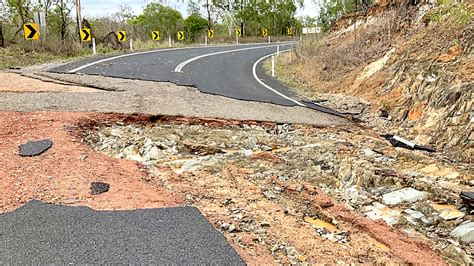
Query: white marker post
{"type": "Point", "coordinates": [273, 66]}
{"type": "Point", "coordinates": [205, 40]}
{"type": "Point", "coordinates": [278, 50]}
{"type": "Point", "coordinates": [237, 39]}
{"type": "Point", "coordinates": [131, 44]}
{"type": "Point", "coordinates": [269, 39]}
{"type": "Point", "coordinates": [93, 46]}
{"type": "Point", "coordinates": [169, 41]}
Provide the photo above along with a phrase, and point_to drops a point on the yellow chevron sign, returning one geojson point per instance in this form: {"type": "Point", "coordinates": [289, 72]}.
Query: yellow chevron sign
{"type": "Point", "coordinates": [31, 31]}
{"type": "Point", "coordinates": [122, 36]}
{"type": "Point", "coordinates": [238, 32]}
{"type": "Point", "coordinates": [264, 32]}
{"type": "Point", "coordinates": [180, 35]}
{"type": "Point", "coordinates": [86, 35]}
{"type": "Point", "coordinates": [290, 31]}
{"type": "Point", "coordinates": [155, 35]}
{"type": "Point", "coordinates": [210, 34]}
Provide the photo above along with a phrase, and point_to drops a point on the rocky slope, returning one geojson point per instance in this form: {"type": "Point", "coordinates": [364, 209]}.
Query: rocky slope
{"type": "Point", "coordinates": [413, 64]}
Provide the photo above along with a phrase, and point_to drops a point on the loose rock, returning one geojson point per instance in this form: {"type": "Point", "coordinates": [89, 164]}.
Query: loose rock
{"type": "Point", "coordinates": [99, 188]}
{"type": "Point", "coordinates": [35, 148]}
{"type": "Point", "coordinates": [464, 232]}
{"type": "Point", "coordinates": [405, 195]}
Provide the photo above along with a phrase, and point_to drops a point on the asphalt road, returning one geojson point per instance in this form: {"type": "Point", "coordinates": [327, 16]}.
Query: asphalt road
{"type": "Point", "coordinates": [40, 233]}
{"type": "Point", "coordinates": [230, 71]}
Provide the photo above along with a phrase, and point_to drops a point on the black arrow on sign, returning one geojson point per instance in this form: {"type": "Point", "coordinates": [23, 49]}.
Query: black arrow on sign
{"type": "Point", "coordinates": [155, 35]}
{"type": "Point", "coordinates": [32, 31]}
{"type": "Point", "coordinates": [86, 35]}
{"type": "Point", "coordinates": [122, 36]}
{"type": "Point", "coordinates": [181, 35]}
{"type": "Point", "coordinates": [211, 33]}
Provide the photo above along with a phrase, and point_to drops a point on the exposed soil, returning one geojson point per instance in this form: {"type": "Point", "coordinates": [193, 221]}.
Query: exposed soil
{"type": "Point", "coordinates": [64, 173]}
{"type": "Point", "coordinates": [267, 230]}
{"type": "Point", "coordinates": [11, 82]}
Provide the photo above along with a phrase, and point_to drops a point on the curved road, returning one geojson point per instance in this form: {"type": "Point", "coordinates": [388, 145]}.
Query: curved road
{"type": "Point", "coordinates": [232, 71]}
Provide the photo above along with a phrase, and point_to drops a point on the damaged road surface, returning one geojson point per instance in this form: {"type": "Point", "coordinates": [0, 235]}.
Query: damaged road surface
{"type": "Point", "coordinates": [231, 71]}
{"type": "Point", "coordinates": [40, 233]}
{"type": "Point", "coordinates": [279, 193]}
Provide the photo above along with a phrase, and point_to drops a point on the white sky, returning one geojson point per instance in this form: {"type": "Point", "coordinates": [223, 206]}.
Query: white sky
{"type": "Point", "coordinates": [94, 8]}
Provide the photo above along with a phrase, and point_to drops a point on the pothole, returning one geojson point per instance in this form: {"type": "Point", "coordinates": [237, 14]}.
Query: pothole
{"type": "Point", "coordinates": [229, 170]}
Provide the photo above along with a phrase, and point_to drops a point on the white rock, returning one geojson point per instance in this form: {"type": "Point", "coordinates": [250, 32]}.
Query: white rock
{"type": "Point", "coordinates": [464, 232]}
{"type": "Point", "coordinates": [153, 154]}
{"type": "Point", "coordinates": [381, 212]}
{"type": "Point", "coordinates": [404, 195]}
{"type": "Point", "coordinates": [414, 216]}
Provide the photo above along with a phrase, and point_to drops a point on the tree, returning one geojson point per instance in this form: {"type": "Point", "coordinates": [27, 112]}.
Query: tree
{"type": "Point", "coordinates": [195, 24]}
{"type": "Point", "coordinates": [226, 10]}
{"type": "Point", "coordinates": [124, 14]}
{"type": "Point", "coordinates": [158, 17]}
{"type": "Point", "coordinates": [63, 12]}
{"type": "Point", "coordinates": [275, 15]}
{"type": "Point", "coordinates": [193, 7]}
{"type": "Point", "coordinates": [331, 10]}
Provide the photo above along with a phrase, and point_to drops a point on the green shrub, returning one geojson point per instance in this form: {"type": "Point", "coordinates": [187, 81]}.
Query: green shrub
{"type": "Point", "coordinates": [459, 12]}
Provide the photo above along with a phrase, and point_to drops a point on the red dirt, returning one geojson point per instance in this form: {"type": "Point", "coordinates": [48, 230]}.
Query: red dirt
{"type": "Point", "coordinates": [64, 173]}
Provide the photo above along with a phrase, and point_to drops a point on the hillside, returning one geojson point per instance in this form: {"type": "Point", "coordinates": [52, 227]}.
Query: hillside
{"type": "Point", "coordinates": [410, 69]}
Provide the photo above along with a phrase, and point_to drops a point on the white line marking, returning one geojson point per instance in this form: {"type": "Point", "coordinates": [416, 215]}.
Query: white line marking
{"type": "Point", "coordinates": [179, 68]}
{"type": "Point", "coordinates": [254, 71]}
{"type": "Point", "coordinates": [145, 52]}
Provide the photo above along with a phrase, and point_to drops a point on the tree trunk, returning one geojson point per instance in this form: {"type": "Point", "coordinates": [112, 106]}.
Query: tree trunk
{"type": "Point", "coordinates": [62, 30]}
{"type": "Point", "coordinates": [208, 8]}
{"type": "Point", "coordinates": [2, 40]}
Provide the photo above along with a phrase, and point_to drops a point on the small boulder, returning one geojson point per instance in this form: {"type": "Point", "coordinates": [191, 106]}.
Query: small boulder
{"type": "Point", "coordinates": [464, 232]}
{"type": "Point", "coordinates": [404, 195]}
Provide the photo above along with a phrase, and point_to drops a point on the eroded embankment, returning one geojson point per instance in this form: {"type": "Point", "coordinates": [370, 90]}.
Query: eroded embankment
{"type": "Point", "coordinates": [265, 185]}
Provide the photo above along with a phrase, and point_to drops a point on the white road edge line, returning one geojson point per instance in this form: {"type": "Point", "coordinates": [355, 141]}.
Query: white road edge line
{"type": "Point", "coordinates": [179, 68]}
{"type": "Point", "coordinates": [146, 52]}
{"type": "Point", "coordinates": [254, 71]}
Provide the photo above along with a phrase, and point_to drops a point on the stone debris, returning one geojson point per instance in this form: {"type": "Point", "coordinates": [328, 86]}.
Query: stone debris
{"type": "Point", "coordinates": [464, 232]}
{"type": "Point", "coordinates": [99, 188]}
{"type": "Point", "coordinates": [361, 170]}
{"type": "Point", "coordinates": [405, 195]}
{"type": "Point", "coordinates": [35, 148]}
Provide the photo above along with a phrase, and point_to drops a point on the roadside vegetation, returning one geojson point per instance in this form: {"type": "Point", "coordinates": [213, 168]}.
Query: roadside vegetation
{"type": "Point", "coordinates": [60, 39]}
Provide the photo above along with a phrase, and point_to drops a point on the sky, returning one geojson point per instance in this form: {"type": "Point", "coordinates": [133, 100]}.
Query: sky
{"type": "Point", "coordinates": [95, 8]}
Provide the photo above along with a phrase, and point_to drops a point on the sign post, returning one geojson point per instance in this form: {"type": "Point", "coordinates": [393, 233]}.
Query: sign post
{"type": "Point", "coordinates": [238, 33]}
{"type": "Point", "coordinates": [93, 46]}
{"type": "Point", "coordinates": [31, 32]}
{"type": "Point", "coordinates": [273, 66]}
